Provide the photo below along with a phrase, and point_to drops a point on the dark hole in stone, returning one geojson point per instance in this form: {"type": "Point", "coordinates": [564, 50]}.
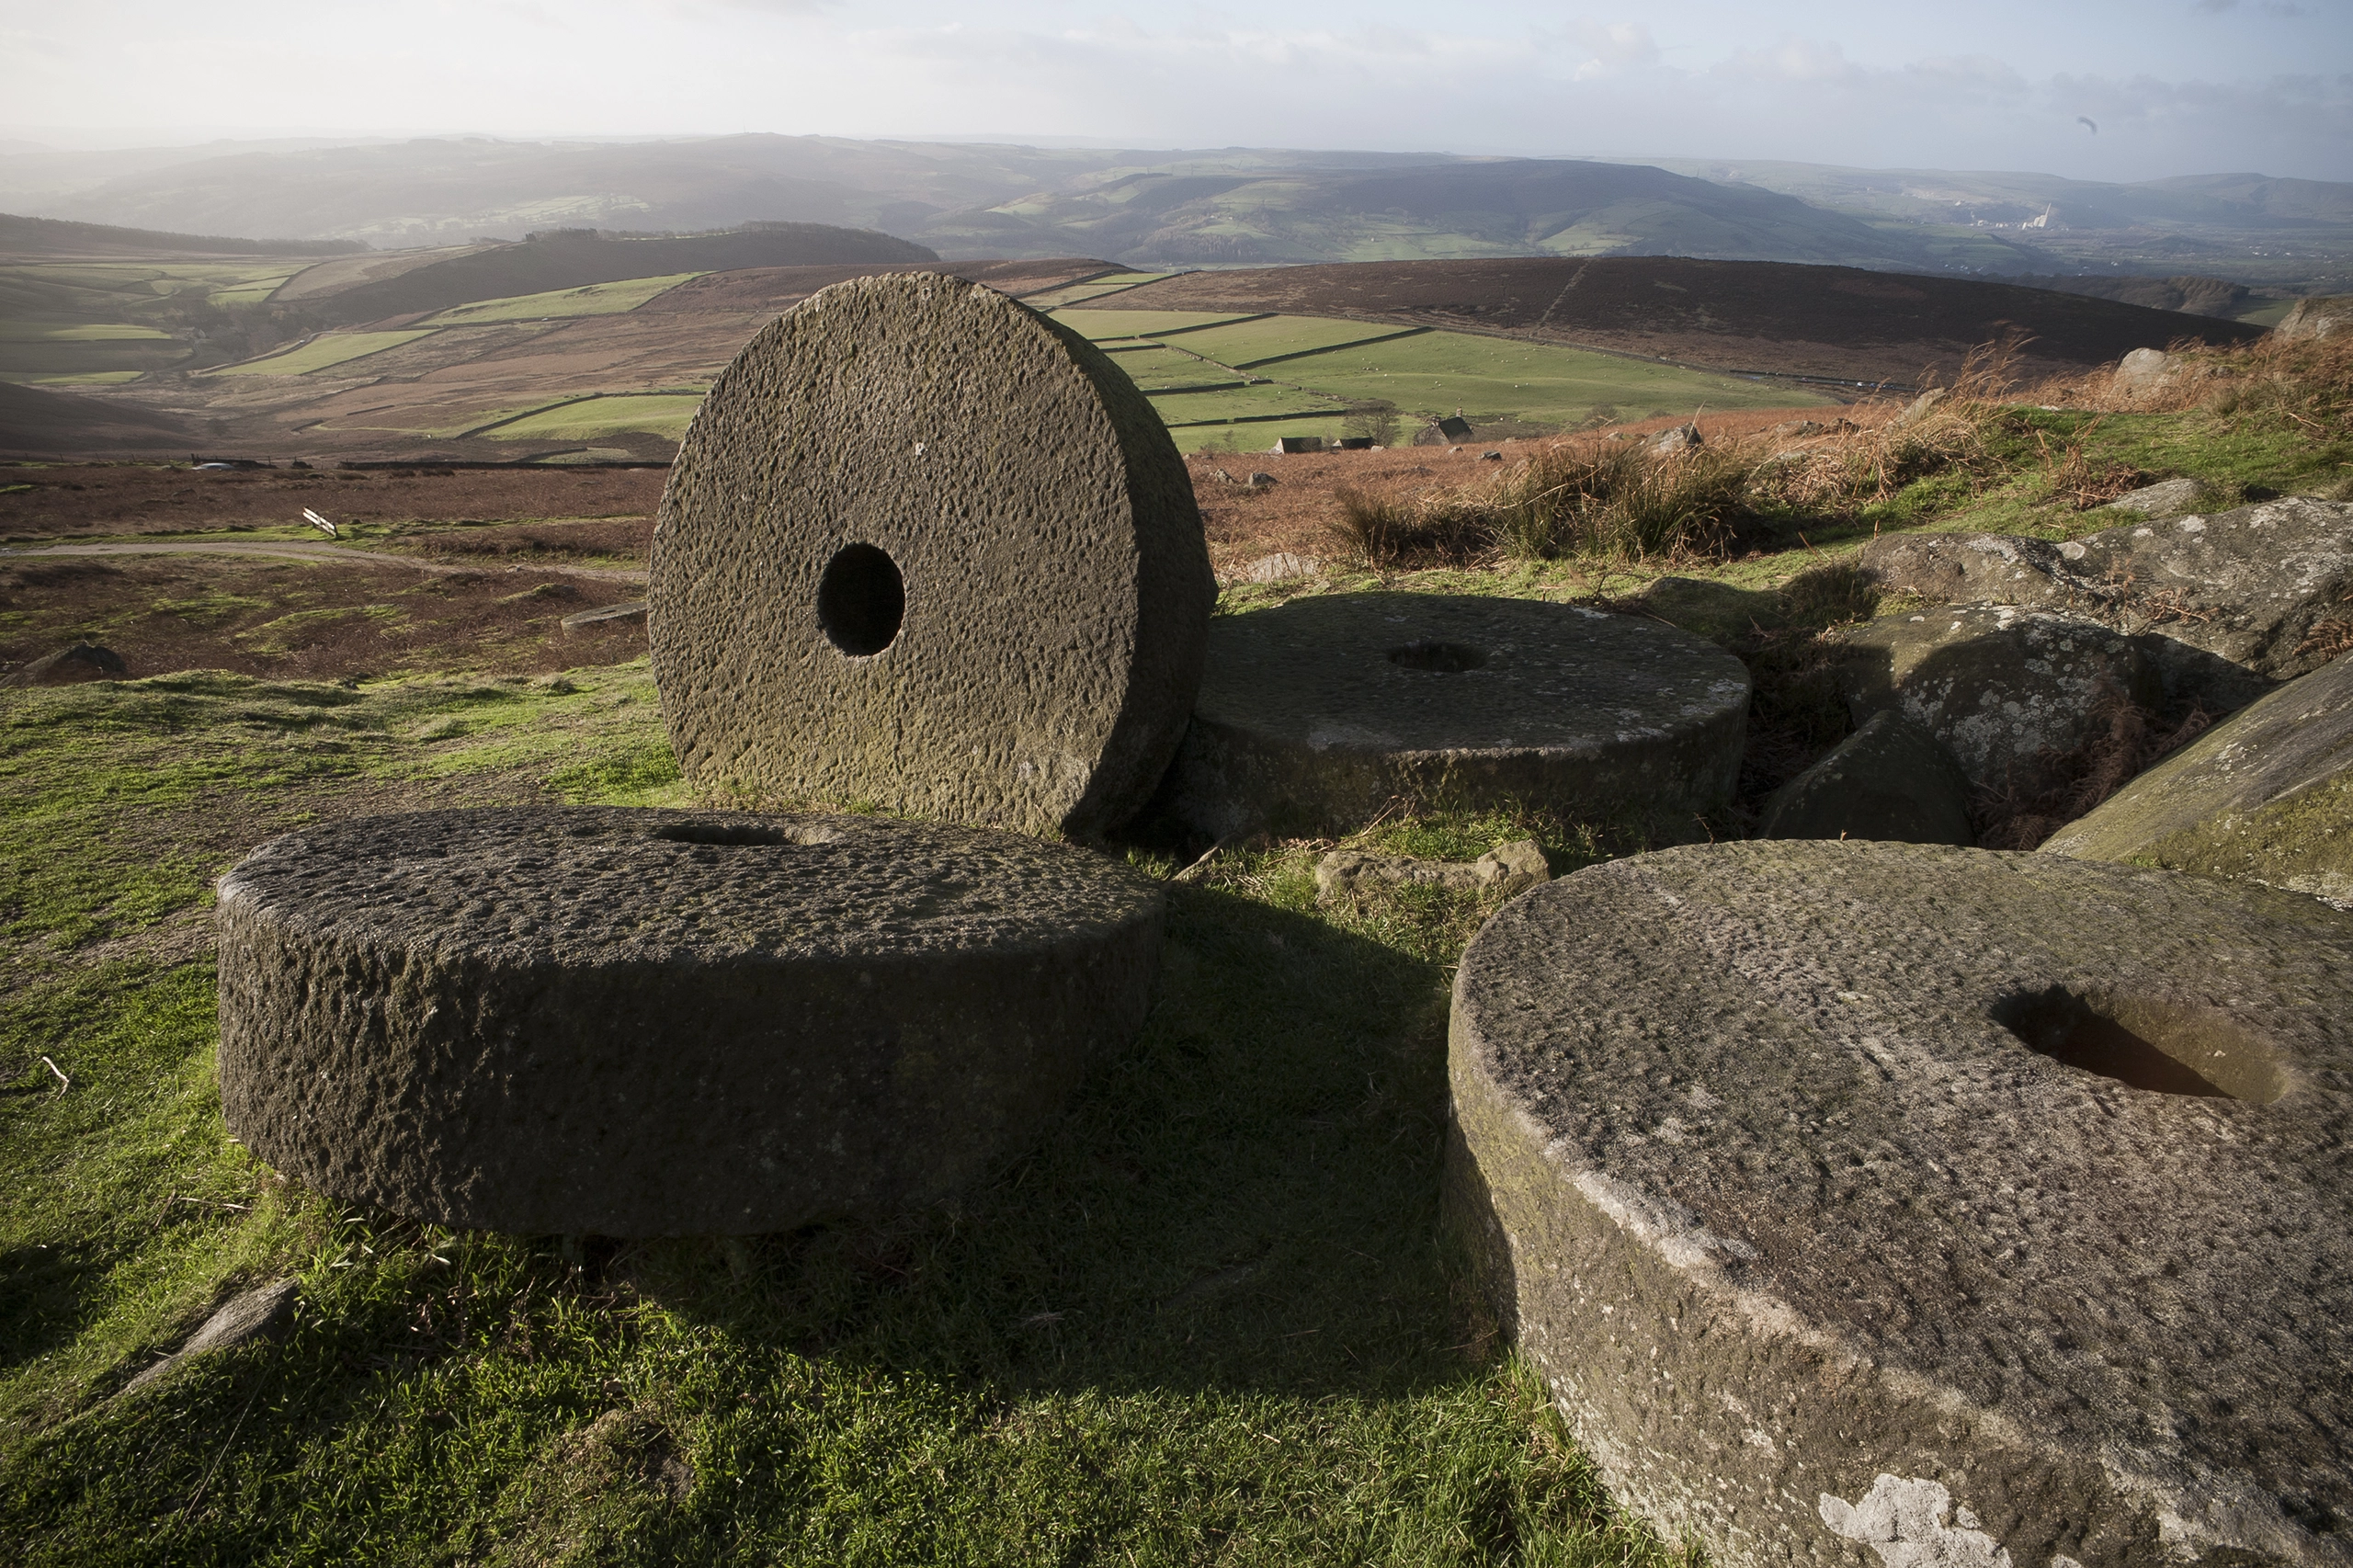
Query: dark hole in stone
{"type": "Point", "coordinates": [2144, 1044]}
{"type": "Point", "coordinates": [1446, 658]}
{"type": "Point", "coordinates": [722, 832]}
{"type": "Point", "coordinates": [860, 600]}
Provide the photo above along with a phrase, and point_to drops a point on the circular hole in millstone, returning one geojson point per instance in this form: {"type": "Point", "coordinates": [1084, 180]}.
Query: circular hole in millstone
{"type": "Point", "coordinates": [1446, 658]}
{"type": "Point", "coordinates": [2142, 1044]}
{"type": "Point", "coordinates": [860, 600]}
{"type": "Point", "coordinates": [722, 832]}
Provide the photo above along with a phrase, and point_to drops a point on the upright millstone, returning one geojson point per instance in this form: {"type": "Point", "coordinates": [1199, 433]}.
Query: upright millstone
{"type": "Point", "coordinates": [1889, 1203]}
{"type": "Point", "coordinates": [1314, 716]}
{"type": "Point", "coordinates": [633, 1022]}
{"type": "Point", "coordinates": [926, 548]}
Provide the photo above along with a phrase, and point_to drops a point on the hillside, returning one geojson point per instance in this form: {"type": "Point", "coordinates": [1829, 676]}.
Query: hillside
{"type": "Point", "coordinates": [22, 237]}
{"type": "Point", "coordinates": [36, 421]}
{"type": "Point", "coordinates": [1727, 315]}
{"type": "Point", "coordinates": [573, 258]}
{"type": "Point", "coordinates": [1503, 207]}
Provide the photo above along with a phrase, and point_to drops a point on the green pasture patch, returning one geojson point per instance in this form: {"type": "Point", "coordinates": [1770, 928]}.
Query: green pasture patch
{"type": "Point", "coordinates": [589, 300]}
{"type": "Point", "coordinates": [1240, 402]}
{"type": "Point", "coordinates": [1155, 368]}
{"type": "Point", "coordinates": [1245, 344]}
{"type": "Point", "coordinates": [656, 414]}
{"type": "Point", "coordinates": [1256, 436]}
{"type": "Point", "coordinates": [84, 331]}
{"type": "Point", "coordinates": [327, 348]}
{"type": "Point", "coordinates": [1494, 379]}
{"type": "Point", "coordinates": [86, 379]}
{"type": "Point", "coordinates": [1102, 326]}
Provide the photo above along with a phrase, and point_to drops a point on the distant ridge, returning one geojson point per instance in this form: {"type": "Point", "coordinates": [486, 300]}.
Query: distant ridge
{"type": "Point", "coordinates": [570, 258]}
{"type": "Point", "coordinates": [55, 237]}
{"type": "Point", "coordinates": [34, 422]}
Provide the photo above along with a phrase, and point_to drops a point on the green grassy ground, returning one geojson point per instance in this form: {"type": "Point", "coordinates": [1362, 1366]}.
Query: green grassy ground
{"type": "Point", "coordinates": [1210, 1318]}
{"type": "Point", "coordinates": [659, 414]}
{"type": "Point", "coordinates": [1245, 344]}
{"type": "Point", "coordinates": [1101, 326]}
{"type": "Point", "coordinates": [1241, 403]}
{"type": "Point", "coordinates": [325, 350]}
{"type": "Point", "coordinates": [1154, 369]}
{"type": "Point", "coordinates": [590, 300]}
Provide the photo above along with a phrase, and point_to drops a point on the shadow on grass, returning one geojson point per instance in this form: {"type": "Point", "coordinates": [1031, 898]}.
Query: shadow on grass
{"type": "Point", "coordinates": [1246, 1198]}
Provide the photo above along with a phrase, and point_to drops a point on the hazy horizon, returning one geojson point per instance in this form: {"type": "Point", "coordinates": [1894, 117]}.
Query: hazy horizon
{"type": "Point", "coordinates": [2097, 92]}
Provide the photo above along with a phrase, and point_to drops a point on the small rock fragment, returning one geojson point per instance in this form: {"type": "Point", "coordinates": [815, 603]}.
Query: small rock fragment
{"type": "Point", "coordinates": [262, 1312]}
{"type": "Point", "coordinates": [1511, 868]}
{"type": "Point", "coordinates": [82, 662]}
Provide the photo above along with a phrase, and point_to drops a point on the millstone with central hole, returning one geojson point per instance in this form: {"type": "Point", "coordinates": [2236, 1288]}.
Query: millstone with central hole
{"type": "Point", "coordinates": [1314, 716]}
{"type": "Point", "coordinates": [636, 1023]}
{"type": "Point", "coordinates": [925, 547]}
{"type": "Point", "coordinates": [1881, 1204]}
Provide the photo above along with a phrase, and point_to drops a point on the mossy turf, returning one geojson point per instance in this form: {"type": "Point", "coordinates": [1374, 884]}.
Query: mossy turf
{"type": "Point", "coordinates": [1212, 1317]}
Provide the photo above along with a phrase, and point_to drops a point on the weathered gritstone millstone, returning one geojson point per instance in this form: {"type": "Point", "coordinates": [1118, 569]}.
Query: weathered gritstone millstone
{"type": "Point", "coordinates": [632, 1023]}
{"type": "Point", "coordinates": [1316, 714]}
{"type": "Point", "coordinates": [925, 547]}
{"type": "Point", "coordinates": [1958, 1206]}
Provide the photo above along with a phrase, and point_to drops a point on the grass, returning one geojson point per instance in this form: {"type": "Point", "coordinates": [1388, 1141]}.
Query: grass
{"type": "Point", "coordinates": [658, 413]}
{"type": "Point", "coordinates": [82, 332]}
{"type": "Point", "coordinates": [1270, 338]}
{"type": "Point", "coordinates": [1211, 1316]}
{"type": "Point", "coordinates": [1240, 403]}
{"type": "Point", "coordinates": [590, 300]}
{"type": "Point", "coordinates": [325, 350]}
{"type": "Point", "coordinates": [1110, 326]}
{"type": "Point", "coordinates": [1155, 368]}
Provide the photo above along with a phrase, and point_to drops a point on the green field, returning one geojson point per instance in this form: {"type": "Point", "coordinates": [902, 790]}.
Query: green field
{"type": "Point", "coordinates": [83, 332]}
{"type": "Point", "coordinates": [1492, 378]}
{"type": "Point", "coordinates": [654, 414]}
{"type": "Point", "coordinates": [1270, 338]}
{"type": "Point", "coordinates": [326, 349]}
{"type": "Point", "coordinates": [1153, 369]}
{"type": "Point", "coordinates": [589, 300]}
{"type": "Point", "coordinates": [1105, 326]}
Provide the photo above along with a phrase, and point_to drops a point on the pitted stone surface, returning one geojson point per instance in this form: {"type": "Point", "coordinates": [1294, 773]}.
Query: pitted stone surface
{"type": "Point", "coordinates": [1890, 779]}
{"type": "Point", "coordinates": [1317, 713]}
{"type": "Point", "coordinates": [2267, 794]}
{"type": "Point", "coordinates": [1997, 685]}
{"type": "Point", "coordinates": [631, 1023]}
{"type": "Point", "coordinates": [2243, 588]}
{"type": "Point", "coordinates": [1822, 1261]}
{"type": "Point", "coordinates": [1026, 654]}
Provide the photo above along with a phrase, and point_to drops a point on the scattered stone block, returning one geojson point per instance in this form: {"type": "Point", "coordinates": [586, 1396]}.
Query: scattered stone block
{"type": "Point", "coordinates": [1443, 432]}
{"type": "Point", "coordinates": [1998, 685]}
{"type": "Point", "coordinates": [1509, 869]}
{"type": "Point", "coordinates": [2229, 601]}
{"type": "Point", "coordinates": [1891, 781]}
{"type": "Point", "coordinates": [1280, 567]}
{"type": "Point", "coordinates": [1316, 714]}
{"type": "Point", "coordinates": [638, 1023]}
{"type": "Point", "coordinates": [2317, 317]}
{"type": "Point", "coordinates": [1260, 479]}
{"type": "Point", "coordinates": [1833, 1186]}
{"type": "Point", "coordinates": [68, 666]}
{"type": "Point", "coordinates": [2167, 498]}
{"type": "Point", "coordinates": [2144, 370]}
{"type": "Point", "coordinates": [605, 616]}
{"type": "Point", "coordinates": [1290, 446]}
{"type": "Point", "coordinates": [263, 1312]}
{"type": "Point", "coordinates": [2266, 795]}
{"type": "Point", "coordinates": [1920, 407]}
{"type": "Point", "coordinates": [1796, 427]}
{"type": "Point", "coordinates": [1491, 457]}
{"type": "Point", "coordinates": [925, 547]}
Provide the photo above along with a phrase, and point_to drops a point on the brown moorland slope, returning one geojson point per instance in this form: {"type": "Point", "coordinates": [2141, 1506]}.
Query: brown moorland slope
{"type": "Point", "coordinates": [421, 399]}
{"type": "Point", "coordinates": [1784, 317]}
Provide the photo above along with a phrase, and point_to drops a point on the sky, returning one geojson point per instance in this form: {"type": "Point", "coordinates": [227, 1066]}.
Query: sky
{"type": "Point", "coordinates": [2106, 90]}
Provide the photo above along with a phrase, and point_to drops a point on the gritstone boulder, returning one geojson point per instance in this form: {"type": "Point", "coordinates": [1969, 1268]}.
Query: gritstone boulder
{"type": "Point", "coordinates": [1966, 1207]}
{"type": "Point", "coordinates": [630, 1023]}
{"type": "Point", "coordinates": [925, 547]}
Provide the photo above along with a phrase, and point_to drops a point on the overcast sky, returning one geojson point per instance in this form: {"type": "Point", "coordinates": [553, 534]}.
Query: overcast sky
{"type": "Point", "coordinates": [2174, 86]}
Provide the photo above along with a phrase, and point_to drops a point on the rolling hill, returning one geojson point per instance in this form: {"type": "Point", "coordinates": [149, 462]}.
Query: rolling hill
{"type": "Point", "coordinates": [22, 238]}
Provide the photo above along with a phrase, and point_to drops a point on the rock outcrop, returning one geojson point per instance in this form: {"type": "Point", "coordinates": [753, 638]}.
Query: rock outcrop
{"type": "Point", "coordinates": [2267, 795]}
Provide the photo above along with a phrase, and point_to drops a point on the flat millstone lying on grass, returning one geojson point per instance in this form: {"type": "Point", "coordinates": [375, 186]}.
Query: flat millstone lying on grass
{"type": "Point", "coordinates": [1314, 715]}
{"type": "Point", "coordinates": [631, 1023]}
{"type": "Point", "coordinates": [1804, 1172]}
